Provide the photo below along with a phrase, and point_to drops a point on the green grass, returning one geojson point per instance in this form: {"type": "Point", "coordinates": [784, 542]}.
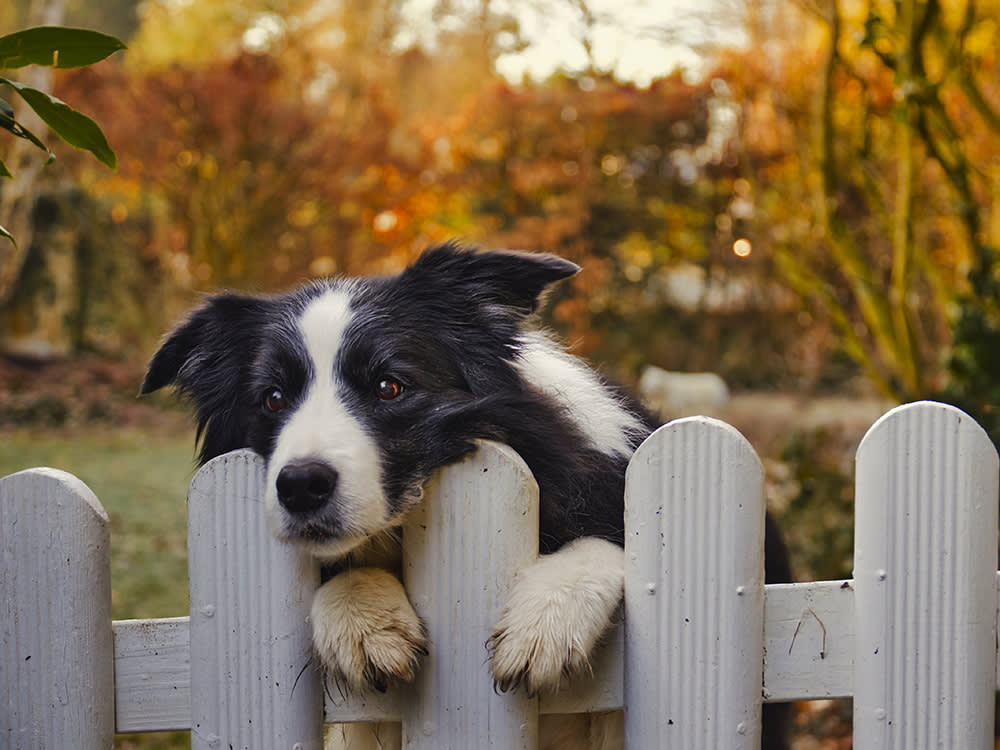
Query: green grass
{"type": "Point", "coordinates": [141, 479]}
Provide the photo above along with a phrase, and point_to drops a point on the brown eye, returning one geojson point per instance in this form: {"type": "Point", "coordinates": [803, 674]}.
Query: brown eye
{"type": "Point", "coordinates": [275, 401]}
{"type": "Point", "coordinates": [388, 389]}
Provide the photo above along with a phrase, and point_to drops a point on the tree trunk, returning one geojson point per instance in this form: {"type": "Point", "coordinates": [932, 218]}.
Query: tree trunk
{"type": "Point", "coordinates": [17, 198]}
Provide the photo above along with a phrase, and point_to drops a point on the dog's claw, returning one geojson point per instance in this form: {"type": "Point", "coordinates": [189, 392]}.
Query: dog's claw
{"type": "Point", "coordinates": [518, 665]}
{"type": "Point", "coordinates": [554, 616]}
{"type": "Point", "coordinates": [506, 686]}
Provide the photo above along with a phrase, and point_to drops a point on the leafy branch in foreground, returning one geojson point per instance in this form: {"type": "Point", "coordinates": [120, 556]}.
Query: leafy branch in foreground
{"type": "Point", "coordinates": [56, 47]}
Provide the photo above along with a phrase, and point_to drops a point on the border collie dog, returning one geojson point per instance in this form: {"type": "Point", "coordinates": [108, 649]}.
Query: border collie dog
{"type": "Point", "coordinates": [356, 390]}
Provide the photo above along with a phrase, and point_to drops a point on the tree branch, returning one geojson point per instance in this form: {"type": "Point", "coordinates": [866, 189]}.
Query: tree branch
{"type": "Point", "coordinates": [874, 308]}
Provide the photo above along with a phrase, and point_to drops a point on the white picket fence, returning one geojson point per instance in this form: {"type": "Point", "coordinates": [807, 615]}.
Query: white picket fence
{"type": "Point", "coordinates": [913, 637]}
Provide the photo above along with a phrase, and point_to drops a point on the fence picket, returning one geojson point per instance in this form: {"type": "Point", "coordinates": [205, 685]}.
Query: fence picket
{"type": "Point", "coordinates": [462, 547]}
{"type": "Point", "coordinates": [925, 581]}
{"type": "Point", "coordinates": [56, 648]}
{"type": "Point", "coordinates": [694, 589]}
{"type": "Point", "coordinates": [252, 681]}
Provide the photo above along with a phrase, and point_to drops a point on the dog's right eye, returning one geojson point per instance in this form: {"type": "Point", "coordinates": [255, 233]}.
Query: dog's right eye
{"type": "Point", "coordinates": [275, 401]}
{"type": "Point", "coordinates": [387, 389]}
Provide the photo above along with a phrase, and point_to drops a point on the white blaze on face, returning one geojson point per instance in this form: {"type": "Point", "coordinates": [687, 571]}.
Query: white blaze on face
{"type": "Point", "coordinates": [321, 428]}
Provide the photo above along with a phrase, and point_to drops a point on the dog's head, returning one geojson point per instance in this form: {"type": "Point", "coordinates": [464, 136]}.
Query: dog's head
{"type": "Point", "coordinates": [355, 390]}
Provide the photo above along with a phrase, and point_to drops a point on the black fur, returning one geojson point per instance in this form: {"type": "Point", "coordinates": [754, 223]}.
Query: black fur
{"type": "Point", "coordinates": [448, 328]}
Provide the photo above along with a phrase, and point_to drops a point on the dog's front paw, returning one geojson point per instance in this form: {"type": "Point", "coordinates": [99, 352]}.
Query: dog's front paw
{"type": "Point", "coordinates": [555, 615]}
{"type": "Point", "coordinates": [365, 630]}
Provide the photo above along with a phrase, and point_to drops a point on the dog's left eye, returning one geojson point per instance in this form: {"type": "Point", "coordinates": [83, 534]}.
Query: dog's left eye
{"type": "Point", "coordinates": [275, 401]}
{"type": "Point", "coordinates": [388, 389]}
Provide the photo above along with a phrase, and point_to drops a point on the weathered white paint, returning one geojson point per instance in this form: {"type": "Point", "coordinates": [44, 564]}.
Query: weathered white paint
{"type": "Point", "coordinates": [934, 612]}
{"type": "Point", "coordinates": [808, 641]}
{"type": "Point", "coordinates": [925, 556]}
{"type": "Point", "coordinates": [152, 674]}
{"type": "Point", "coordinates": [253, 684]}
{"type": "Point", "coordinates": [461, 549]}
{"type": "Point", "coordinates": [694, 589]}
{"type": "Point", "coordinates": [56, 648]}
{"type": "Point", "coordinates": [155, 694]}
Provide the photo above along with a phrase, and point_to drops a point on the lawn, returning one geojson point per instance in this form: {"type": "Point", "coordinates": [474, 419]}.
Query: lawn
{"type": "Point", "coordinates": [141, 479]}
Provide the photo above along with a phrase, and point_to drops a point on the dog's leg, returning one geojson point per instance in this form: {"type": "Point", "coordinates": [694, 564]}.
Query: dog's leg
{"type": "Point", "coordinates": [384, 736]}
{"type": "Point", "coordinates": [600, 731]}
{"type": "Point", "coordinates": [365, 630]}
{"type": "Point", "coordinates": [557, 611]}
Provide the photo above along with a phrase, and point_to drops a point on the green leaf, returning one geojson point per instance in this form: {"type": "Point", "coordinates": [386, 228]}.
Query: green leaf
{"type": "Point", "coordinates": [75, 128]}
{"type": "Point", "coordinates": [7, 235]}
{"type": "Point", "coordinates": [56, 46]}
{"type": "Point", "coordinates": [7, 122]}
{"type": "Point", "coordinates": [4, 172]}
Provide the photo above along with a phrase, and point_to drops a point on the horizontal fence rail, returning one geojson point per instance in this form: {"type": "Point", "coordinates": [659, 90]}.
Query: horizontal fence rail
{"type": "Point", "coordinates": [912, 637]}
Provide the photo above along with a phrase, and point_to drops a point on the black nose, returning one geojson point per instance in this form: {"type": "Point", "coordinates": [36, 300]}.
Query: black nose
{"type": "Point", "coordinates": [305, 486]}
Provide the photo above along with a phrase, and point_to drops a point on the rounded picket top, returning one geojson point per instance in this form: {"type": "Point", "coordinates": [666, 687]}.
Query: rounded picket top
{"type": "Point", "coordinates": [694, 588]}
{"type": "Point", "coordinates": [53, 486]}
{"type": "Point", "coordinates": [239, 457]}
{"type": "Point", "coordinates": [250, 601]}
{"type": "Point", "coordinates": [503, 465]}
{"type": "Point", "coordinates": [690, 434]}
{"type": "Point", "coordinates": [924, 414]}
{"type": "Point", "coordinates": [56, 635]}
{"type": "Point", "coordinates": [462, 547]}
{"type": "Point", "coordinates": [925, 556]}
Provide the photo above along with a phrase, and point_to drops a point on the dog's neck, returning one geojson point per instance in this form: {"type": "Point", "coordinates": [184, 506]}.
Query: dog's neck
{"type": "Point", "coordinates": [381, 551]}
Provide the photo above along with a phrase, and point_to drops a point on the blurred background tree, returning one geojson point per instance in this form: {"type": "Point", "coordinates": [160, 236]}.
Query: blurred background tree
{"type": "Point", "coordinates": [269, 140]}
{"type": "Point", "coordinates": [888, 125]}
{"type": "Point", "coordinates": [797, 195]}
{"type": "Point", "coordinates": [32, 52]}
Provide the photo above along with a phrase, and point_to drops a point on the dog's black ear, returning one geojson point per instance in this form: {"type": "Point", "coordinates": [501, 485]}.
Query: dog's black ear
{"type": "Point", "coordinates": [208, 342]}
{"type": "Point", "coordinates": [512, 279]}
{"type": "Point", "coordinates": [206, 358]}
